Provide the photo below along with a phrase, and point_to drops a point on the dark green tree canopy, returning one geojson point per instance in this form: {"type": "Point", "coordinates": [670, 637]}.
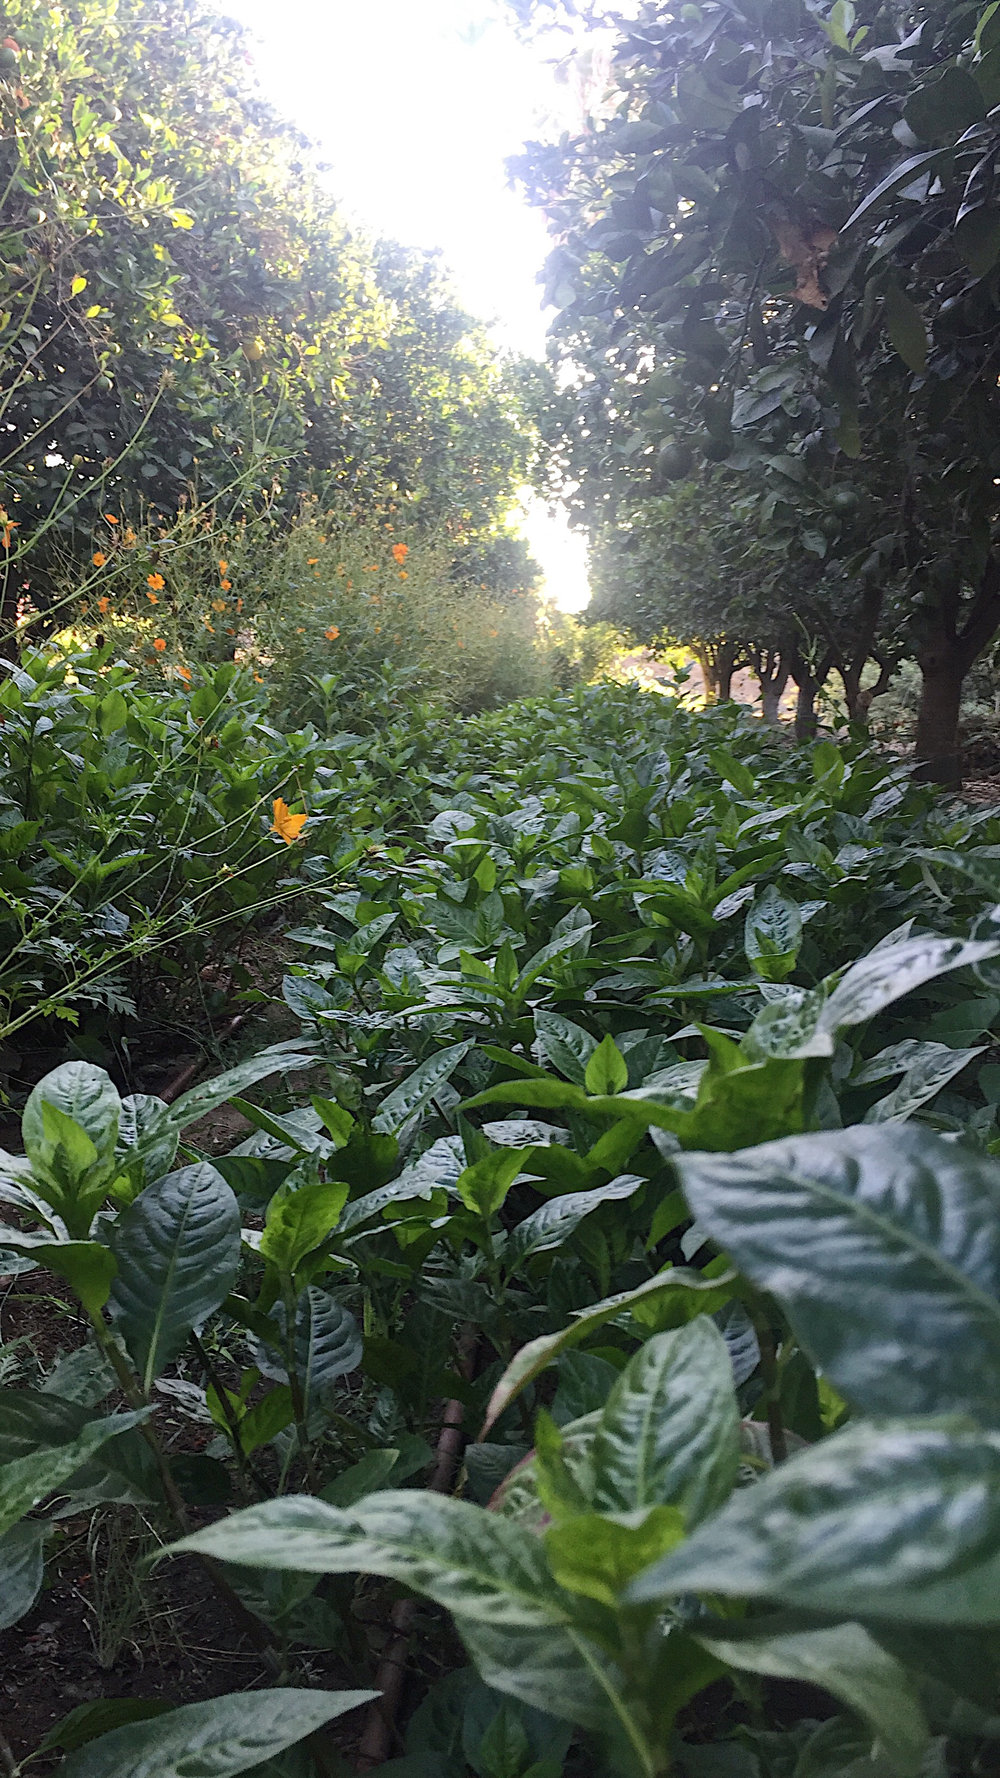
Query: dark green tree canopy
{"type": "Point", "coordinates": [778, 247]}
{"type": "Point", "coordinates": [182, 300]}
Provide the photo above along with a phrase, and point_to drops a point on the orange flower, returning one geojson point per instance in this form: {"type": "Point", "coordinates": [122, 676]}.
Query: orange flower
{"type": "Point", "coordinates": [286, 825]}
{"type": "Point", "coordinates": [372, 568]}
{"type": "Point", "coordinates": [223, 567]}
{"type": "Point", "coordinates": [332, 633]}
{"type": "Point", "coordinates": [110, 517]}
{"type": "Point", "coordinates": [218, 604]}
{"type": "Point", "coordinates": [159, 644]}
{"type": "Point", "coordinates": [185, 674]}
{"type": "Point", "coordinates": [226, 585]}
{"type": "Point", "coordinates": [102, 605]}
{"type": "Point", "coordinates": [400, 551]}
{"type": "Point", "coordinates": [208, 626]}
{"type": "Point", "coordinates": [311, 561]}
{"type": "Point", "coordinates": [239, 604]}
{"type": "Point", "coordinates": [7, 529]}
{"type": "Point", "coordinates": [98, 558]}
{"type": "Point", "coordinates": [153, 600]}
{"type": "Point", "coordinates": [259, 678]}
{"type": "Point", "coordinates": [156, 581]}
{"type": "Point", "coordinates": [404, 574]}
{"type": "Point", "coordinates": [129, 537]}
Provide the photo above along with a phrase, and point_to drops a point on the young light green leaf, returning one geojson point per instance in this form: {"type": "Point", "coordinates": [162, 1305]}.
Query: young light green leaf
{"type": "Point", "coordinates": [669, 1434]}
{"type": "Point", "coordinates": [483, 1187]}
{"type": "Point", "coordinates": [883, 1247]}
{"type": "Point", "coordinates": [178, 1252]}
{"type": "Point", "coordinates": [607, 1069]}
{"type": "Point", "coordinates": [216, 1739]}
{"type": "Point", "coordinates": [302, 1213]}
{"type": "Point", "coordinates": [81, 1092]}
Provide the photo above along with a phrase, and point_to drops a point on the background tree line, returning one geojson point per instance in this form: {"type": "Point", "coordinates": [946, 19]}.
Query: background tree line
{"type": "Point", "coordinates": [776, 266]}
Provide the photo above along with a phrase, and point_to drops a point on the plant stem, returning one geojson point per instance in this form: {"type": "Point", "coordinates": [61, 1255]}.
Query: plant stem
{"type": "Point", "coordinates": [769, 1372]}
{"type": "Point", "coordinates": [249, 1473]}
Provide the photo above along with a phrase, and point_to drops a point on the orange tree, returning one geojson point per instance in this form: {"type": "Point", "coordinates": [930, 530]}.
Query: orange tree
{"type": "Point", "coordinates": [183, 303]}
{"type": "Point", "coordinates": [782, 236]}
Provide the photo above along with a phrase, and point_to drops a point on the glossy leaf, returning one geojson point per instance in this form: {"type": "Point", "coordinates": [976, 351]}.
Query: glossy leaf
{"type": "Point", "coordinates": [419, 1088]}
{"type": "Point", "coordinates": [844, 1659]}
{"type": "Point", "coordinates": [217, 1739]}
{"type": "Point", "coordinates": [178, 1251]}
{"type": "Point", "coordinates": [898, 1522]}
{"type": "Point", "coordinates": [21, 1568]}
{"type": "Point", "coordinates": [27, 1480]}
{"type": "Point", "coordinates": [669, 1432]}
{"type": "Point", "coordinates": [883, 1247]}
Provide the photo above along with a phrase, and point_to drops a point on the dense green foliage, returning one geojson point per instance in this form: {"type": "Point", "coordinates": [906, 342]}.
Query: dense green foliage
{"type": "Point", "coordinates": [653, 1119]}
{"type": "Point", "coordinates": [778, 242]}
{"type": "Point", "coordinates": [182, 302]}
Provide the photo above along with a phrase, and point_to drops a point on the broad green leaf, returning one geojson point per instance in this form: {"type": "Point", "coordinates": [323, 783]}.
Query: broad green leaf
{"type": "Point", "coordinates": [669, 1434]}
{"type": "Point", "coordinates": [370, 1473]}
{"type": "Point", "coordinates": [607, 1069]}
{"type": "Point", "coordinates": [328, 1343]}
{"type": "Point", "coordinates": [898, 1521]}
{"type": "Point", "coordinates": [21, 1568]}
{"type": "Point", "coordinates": [565, 1046]}
{"type": "Point", "coordinates": [883, 1247]}
{"type": "Point", "coordinates": [147, 1138]}
{"type": "Point", "coordinates": [906, 329]}
{"type": "Point", "coordinates": [178, 1253]}
{"type": "Point", "coordinates": [672, 1297]}
{"type": "Point", "coordinates": [928, 1073]}
{"type": "Point", "coordinates": [217, 1739]}
{"type": "Point", "coordinates": [845, 1660]}
{"type": "Point", "coordinates": [945, 106]}
{"type": "Point", "coordinates": [555, 1221]}
{"type": "Point", "coordinates": [886, 974]}
{"type": "Point", "coordinates": [515, 1621]}
{"type": "Point", "coordinates": [419, 1088]}
{"type": "Point", "coordinates": [300, 1216]}
{"type": "Point", "coordinates": [772, 934]}
{"type": "Point", "coordinates": [29, 1479]}
{"type": "Point", "coordinates": [200, 1100]}
{"type": "Point", "coordinates": [88, 1721]}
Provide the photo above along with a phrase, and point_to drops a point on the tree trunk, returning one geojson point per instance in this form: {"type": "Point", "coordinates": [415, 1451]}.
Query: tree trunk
{"type": "Point", "coordinates": [945, 659]}
{"type": "Point", "coordinates": [772, 677]}
{"type": "Point", "coordinates": [725, 667]}
{"type": "Point", "coordinates": [805, 709]}
{"type": "Point", "coordinates": [943, 668]}
{"type": "Point", "coordinates": [709, 677]}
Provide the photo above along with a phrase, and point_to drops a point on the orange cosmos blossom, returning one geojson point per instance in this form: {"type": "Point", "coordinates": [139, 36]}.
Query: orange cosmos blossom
{"type": "Point", "coordinates": [311, 561]}
{"type": "Point", "coordinates": [400, 551]}
{"type": "Point", "coordinates": [110, 518]}
{"type": "Point", "coordinates": [98, 558]}
{"type": "Point", "coordinates": [286, 825]}
{"type": "Point", "coordinates": [332, 633]}
{"type": "Point", "coordinates": [153, 600]}
{"type": "Point", "coordinates": [159, 644]}
{"type": "Point", "coordinates": [156, 581]}
{"type": "Point", "coordinates": [185, 674]}
{"type": "Point", "coordinates": [225, 585]}
{"type": "Point", "coordinates": [102, 605]}
{"type": "Point", "coordinates": [218, 604]}
{"type": "Point", "coordinates": [223, 566]}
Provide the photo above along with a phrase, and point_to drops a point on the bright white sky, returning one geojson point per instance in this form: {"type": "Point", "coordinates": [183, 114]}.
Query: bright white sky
{"type": "Point", "coordinates": [416, 104]}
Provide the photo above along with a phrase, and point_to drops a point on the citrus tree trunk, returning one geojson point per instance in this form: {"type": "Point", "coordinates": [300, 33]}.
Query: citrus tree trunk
{"type": "Point", "coordinates": [944, 660]}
